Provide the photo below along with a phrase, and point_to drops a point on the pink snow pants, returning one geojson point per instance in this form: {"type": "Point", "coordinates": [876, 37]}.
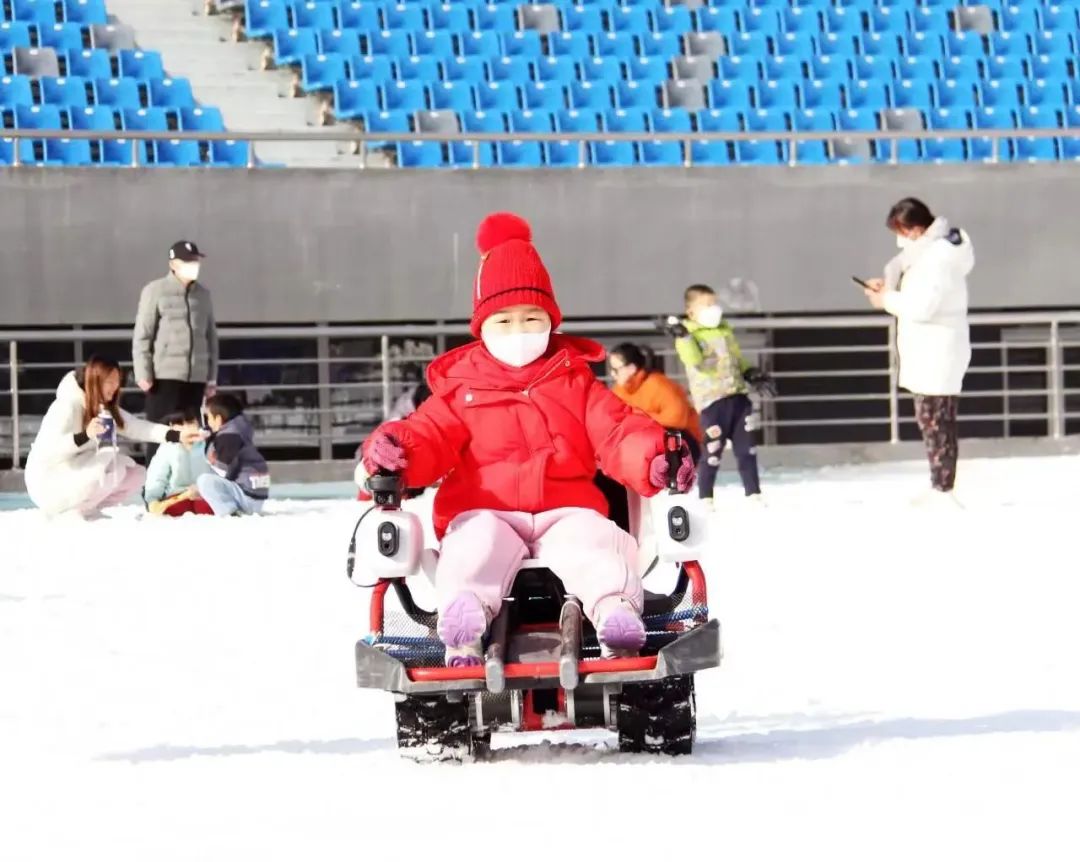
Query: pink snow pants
{"type": "Point", "coordinates": [482, 549]}
{"type": "Point", "coordinates": [116, 487]}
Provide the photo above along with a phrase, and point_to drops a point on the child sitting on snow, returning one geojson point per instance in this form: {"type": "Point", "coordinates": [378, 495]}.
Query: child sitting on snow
{"type": "Point", "coordinates": [515, 426]}
{"type": "Point", "coordinates": [240, 481]}
{"type": "Point", "coordinates": [174, 469]}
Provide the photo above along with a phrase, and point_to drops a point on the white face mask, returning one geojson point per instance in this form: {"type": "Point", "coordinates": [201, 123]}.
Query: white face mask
{"type": "Point", "coordinates": [710, 316]}
{"type": "Point", "coordinates": [517, 349]}
{"type": "Point", "coordinates": [188, 271]}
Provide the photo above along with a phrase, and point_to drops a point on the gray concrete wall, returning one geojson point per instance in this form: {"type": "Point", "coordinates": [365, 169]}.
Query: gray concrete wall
{"type": "Point", "coordinates": [77, 245]}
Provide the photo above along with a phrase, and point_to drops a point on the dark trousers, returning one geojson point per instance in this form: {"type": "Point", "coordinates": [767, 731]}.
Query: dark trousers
{"type": "Point", "coordinates": [169, 396]}
{"type": "Point", "coordinates": [724, 420]}
{"type": "Point", "coordinates": [936, 415]}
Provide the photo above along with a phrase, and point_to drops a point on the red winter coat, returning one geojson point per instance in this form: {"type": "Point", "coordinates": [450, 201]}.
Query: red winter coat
{"type": "Point", "coordinates": [524, 439]}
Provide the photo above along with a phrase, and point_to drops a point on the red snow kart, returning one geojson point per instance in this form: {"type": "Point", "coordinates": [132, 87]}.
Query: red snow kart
{"type": "Point", "coordinates": [542, 665]}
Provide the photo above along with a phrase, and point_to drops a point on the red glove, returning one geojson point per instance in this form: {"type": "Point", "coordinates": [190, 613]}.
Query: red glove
{"type": "Point", "coordinates": [684, 479]}
{"type": "Point", "coordinates": [383, 452]}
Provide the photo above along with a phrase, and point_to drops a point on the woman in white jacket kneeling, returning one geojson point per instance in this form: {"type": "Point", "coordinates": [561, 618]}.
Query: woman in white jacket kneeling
{"type": "Point", "coordinates": [68, 470]}
{"type": "Point", "coordinates": [925, 288]}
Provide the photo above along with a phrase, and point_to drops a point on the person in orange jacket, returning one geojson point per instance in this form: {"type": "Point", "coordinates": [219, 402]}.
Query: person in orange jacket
{"type": "Point", "coordinates": [654, 393]}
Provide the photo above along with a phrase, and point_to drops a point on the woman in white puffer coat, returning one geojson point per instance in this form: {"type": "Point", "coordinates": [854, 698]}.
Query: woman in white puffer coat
{"type": "Point", "coordinates": [925, 289]}
{"type": "Point", "coordinates": [67, 470]}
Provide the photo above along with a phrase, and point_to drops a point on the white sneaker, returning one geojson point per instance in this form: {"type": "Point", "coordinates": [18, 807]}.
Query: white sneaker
{"type": "Point", "coordinates": [756, 501]}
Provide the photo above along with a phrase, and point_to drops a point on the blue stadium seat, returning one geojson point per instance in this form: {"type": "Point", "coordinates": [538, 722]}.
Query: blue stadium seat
{"type": "Point", "coordinates": [774, 69]}
{"type": "Point", "coordinates": [1018, 19]}
{"type": "Point", "coordinates": [800, 20]}
{"type": "Point", "coordinates": [563, 154]}
{"type": "Point", "coordinates": [647, 70]}
{"type": "Point", "coordinates": [62, 38]}
{"type": "Point", "coordinates": [34, 11]}
{"type": "Point", "coordinates": [120, 152]}
{"type": "Point", "coordinates": [714, 120]}
{"type": "Point", "coordinates": [496, 96]}
{"type": "Point", "coordinates": [145, 119]}
{"type": "Point", "coordinates": [68, 151]}
{"type": "Point", "coordinates": [318, 16]}
{"type": "Point", "coordinates": [387, 123]}
{"type": "Point", "coordinates": [85, 12]}
{"type": "Point", "coordinates": [346, 42]}
{"type": "Point", "coordinates": [586, 96]}
{"type": "Point", "coordinates": [1070, 148]}
{"type": "Point", "coordinates": [465, 70]}
{"type": "Point", "coordinates": [573, 45]}
{"type": "Point", "coordinates": [490, 122]}
{"type": "Point", "coordinates": [670, 120]}
{"type": "Point", "coordinates": [1050, 67]}
{"type": "Point", "coordinates": [913, 94]}
{"type": "Point", "coordinates": [868, 95]}
{"type": "Point", "coordinates": [1040, 118]}
{"type": "Point", "coordinates": [763, 120]}
{"type": "Point", "coordinates": [622, 46]}
{"type": "Point", "coordinates": [263, 18]}
{"type": "Point", "coordinates": [1054, 43]}
{"type": "Point", "coordinates": [662, 45]}
{"type": "Point", "coordinates": [822, 95]}
{"type": "Point", "coordinates": [811, 153]}
{"type": "Point", "coordinates": [201, 120]}
{"type": "Point", "coordinates": [1006, 69]}
{"type": "Point", "coordinates": [37, 117]}
{"type": "Point", "coordinates": [888, 20]}
{"type": "Point", "coordinates": [829, 69]}
{"type": "Point", "coordinates": [403, 16]}
{"type": "Point", "coordinates": [994, 118]}
{"type": "Point", "coordinates": [811, 120]}
{"type": "Point", "coordinates": [857, 121]}
{"type": "Point", "coordinates": [291, 46]}
{"type": "Point", "coordinates": [571, 120]}
{"type": "Point", "coordinates": [360, 16]}
{"type": "Point", "coordinates": [420, 154]}
{"type": "Point", "coordinates": [963, 45]}
{"type": "Point", "coordinates": [620, 120]}
{"type": "Point", "coordinates": [141, 64]}
{"type": "Point", "coordinates": [495, 18]}
{"type": "Point", "coordinates": [1072, 116]}
{"type": "Point", "coordinates": [514, 70]}
{"type": "Point", "coordinates": [835, 45]}
{"type": "Point", "coordinates": [758, 153]}
{"type": "Point", "coordinates": [928, 45]}
{"type": "Point", "coordinates": [390, 43]}
{"type": "Point", "coordinates": [531, 121]}
{"type": "Point", "coordinates": [451, 96]}
{"type": "Point", "coordinates": [407, 96]}
{"type": "Point", "coordinates": [673, 19]}
{"type": "Point", "coordinates": [13, 34]}
{"type": "Point", "coordinates": [1051, 94]}
{"type": "Point", "coordinates": [480, 44]}
{"type": "Point", "coordinates": [15, 90]}
{"type": "Point", "coordinates": [463, 154]}
{"type": "Point", "coordinates": [119, 93]}
{"type": "Point", "coordinates": [710, 153]}
{"type": "Point", "coordinates": [320, 71]}
{"type": "Point", "coordinates": [1062, 17]}
{"type": "Point", "coordinates": [229, 154]}
{"type": "Point", "coordinates": [7, 151]}
{"type": "Point", "coordinates": [661, 154]}
{"type": "Point", "coordinates": [916, 69]}
{"type": "Point", "coordinates": [949, 118]}
{"type": "Point", "coordinates": [886, 45]}
{"type": "Point", "coordinates": [378, 69]}
{"type": "Point", "coordinates": [930, 21]}
{"type": "Point", "coordinates": [777, 94]}
{"type": "Point", "coordinates": [355, 99]}
{"type": "Point", "coordinates": [754, 45]}
{"type": "Point", "coordinates": [848, 22]}
{"type": "Point", "coordinates": [93, 119]}
{"type": "Point", "coordinates": [450, 18]}
{"type": "Point", "coordinates": [556, 70]}
{"type": "Point", "coordinates": [418, 68]}
{"type": "Point", "coordinates": [91, 64]}
{"type": "Point", "coordinates": [630, 19]}
{"type": "Point", "coordinates": [64, 92]}
{"type": "Point", "coordinates": [968, 70]}
{"type": "Point", "coordinates": [715, 19]}
{"type": "Point", "coordinates": [437, 44]}
{"type": "Point", "coordinates": [539, 96]}
{"type": "Point", "coordinates": [612, 154]}
{"type": "Point", "coordinates": [796, 45]}
{"type": "Point", "coordinates": [176, 154]}
{"type": "Point", "coordinates": [1000, 94]}
{"type": "Point", "coordinates": [519, 154]}
{"type": "Point", "coordinates": [941, 150]}
{"type": "Point", "coordinates": [754, 19]}
{"type": "Point", "coordinates": [1027, 149]}
{"type": "Point", "coordinates": [585, 19]}
{"type": "Point", "coordinates": [602, 70]}
{"type": "Point", "coordinates": [1009, 44]}
{"type": "Point", "coordinates": [955, 94]}
{"type": "Point", "coordinates": [631, 94]}
{"type": "Point", "coordinates": [728, 95]}
{"type": "Point", "coordinates": [864, 68]}
{"type": "Point", "coordinates": [747, 70]}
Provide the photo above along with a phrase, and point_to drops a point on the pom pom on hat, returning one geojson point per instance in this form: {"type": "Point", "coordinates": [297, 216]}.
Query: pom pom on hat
{"type": "Point", "coordinates": [498, 228]}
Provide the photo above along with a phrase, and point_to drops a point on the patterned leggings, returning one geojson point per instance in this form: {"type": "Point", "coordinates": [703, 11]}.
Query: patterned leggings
{"type": "Point", "coordinates": [936, 415]}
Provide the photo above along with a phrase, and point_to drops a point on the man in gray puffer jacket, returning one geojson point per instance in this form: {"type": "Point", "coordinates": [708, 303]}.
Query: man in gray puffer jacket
{"type": "Point", "coordinates": [175, 344]}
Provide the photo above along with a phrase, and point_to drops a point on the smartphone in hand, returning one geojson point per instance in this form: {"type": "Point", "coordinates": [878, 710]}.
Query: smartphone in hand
{"type": "Point", "coordinates": [860, 282]}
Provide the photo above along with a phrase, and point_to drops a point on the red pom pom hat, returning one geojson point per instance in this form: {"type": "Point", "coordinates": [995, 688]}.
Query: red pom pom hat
{"type": "Point", "coordinates": [511, 271]}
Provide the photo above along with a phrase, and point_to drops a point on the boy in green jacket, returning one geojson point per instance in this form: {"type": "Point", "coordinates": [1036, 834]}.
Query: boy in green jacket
{"type": "Point", "coordinates": [719, 380]}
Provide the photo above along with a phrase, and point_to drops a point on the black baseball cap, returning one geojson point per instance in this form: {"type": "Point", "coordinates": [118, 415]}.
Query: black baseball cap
{"type": "Point", "coordinates": [185, 250]}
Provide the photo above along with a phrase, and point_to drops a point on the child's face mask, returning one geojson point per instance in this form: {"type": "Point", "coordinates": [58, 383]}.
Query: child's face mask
{"type": "Point", "coordinates": [516, 349]}
{"type": "Point", "coordinates": [710, 316]}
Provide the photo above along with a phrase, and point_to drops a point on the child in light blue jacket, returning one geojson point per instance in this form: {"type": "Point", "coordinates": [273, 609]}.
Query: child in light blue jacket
{"type": "Point", "coordinates": [174, 470]}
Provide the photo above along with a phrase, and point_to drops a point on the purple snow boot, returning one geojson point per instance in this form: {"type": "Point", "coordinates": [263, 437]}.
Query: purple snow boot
{"type": "Point", "coordinates": [461, 627]}
{"type": "Point", "coordinates": [619, 628]}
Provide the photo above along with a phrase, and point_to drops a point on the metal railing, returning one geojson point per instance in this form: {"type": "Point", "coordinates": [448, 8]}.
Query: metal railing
{"type": "Point", "coordinates": [346, 378]}
{"type": "Point", "coordinates": [343, 134]}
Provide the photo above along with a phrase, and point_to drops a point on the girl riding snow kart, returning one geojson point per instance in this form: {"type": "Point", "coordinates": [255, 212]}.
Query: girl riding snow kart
{"type": "Point", "coordinates": [515, 427]}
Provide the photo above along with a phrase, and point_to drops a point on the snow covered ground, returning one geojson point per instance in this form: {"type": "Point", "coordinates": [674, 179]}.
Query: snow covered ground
{"type": "Point", "coordinates": [898, 684]}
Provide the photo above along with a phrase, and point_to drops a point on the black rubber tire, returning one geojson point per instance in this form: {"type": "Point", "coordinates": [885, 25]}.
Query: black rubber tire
{"type": "Point", "coordinates": [433, 728]}
{"type": "Point", "coordinates": [658, 717]}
